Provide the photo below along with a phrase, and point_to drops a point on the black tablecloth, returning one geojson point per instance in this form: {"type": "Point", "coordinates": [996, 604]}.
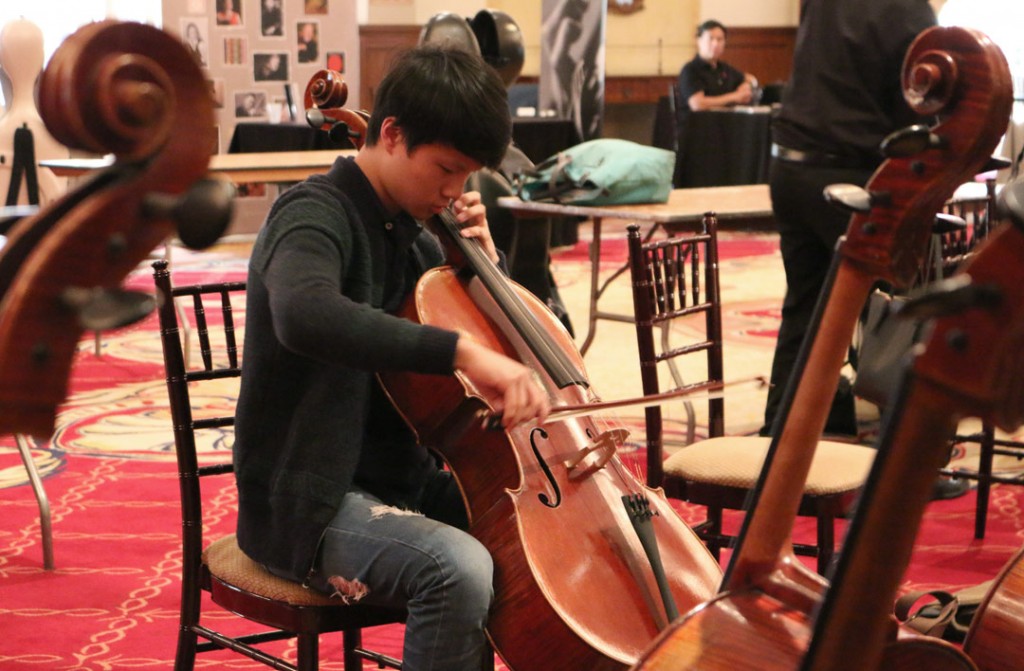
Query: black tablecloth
{"type": "Point", "coordinates": [541, 137]}
{"type": "Point", "coordinates": [724, 148]}
{"type": "Point", "coordinates": [537, 137]}
{"type": "Point", "coordinates": [255, 137]}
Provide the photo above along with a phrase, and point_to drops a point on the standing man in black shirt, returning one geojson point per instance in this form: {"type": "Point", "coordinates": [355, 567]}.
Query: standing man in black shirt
{"type": "Point", "coordinates": [843, 98]}
{"type": "Point", "coordinates": [707, 81]}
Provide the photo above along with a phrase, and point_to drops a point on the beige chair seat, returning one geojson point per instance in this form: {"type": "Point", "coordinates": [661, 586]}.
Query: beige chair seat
{"type": "Point", "coordinates": [736, 461]}
{"type": "Point", "coordinates": [230, 565]}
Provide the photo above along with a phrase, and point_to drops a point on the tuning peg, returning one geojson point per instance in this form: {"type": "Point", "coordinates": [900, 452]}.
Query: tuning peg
{"type": "Point", "coordinates": [315, 118]}
{"type": "Point", "coordinates": [911, 141]}
{"type": "Point", "coordinates": [853, 198]}
{"type": "Point", "coordinates": [948, 223]}
{"type": "Point", "coordinates": [995, 163]}
{"type": "Point", "coordinates": [104, 309]}
{"type": "Point", "coordinates": [1010, 203]}
{"type": "Point", "coordinates": [202, 213]}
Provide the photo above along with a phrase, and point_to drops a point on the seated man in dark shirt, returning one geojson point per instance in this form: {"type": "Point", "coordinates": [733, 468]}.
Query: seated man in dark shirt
{"type": "Point", "coordinates": [707, 81]}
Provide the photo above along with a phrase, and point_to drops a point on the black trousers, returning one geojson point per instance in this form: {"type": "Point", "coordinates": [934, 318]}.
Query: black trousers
{"type": "Point", "coordinates": [808, 230]}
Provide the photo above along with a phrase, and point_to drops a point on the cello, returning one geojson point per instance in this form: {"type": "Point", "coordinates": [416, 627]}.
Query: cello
{"type": "Point", "coordinates": [574, 585]}
{"type": "Point", "coordinates": [133, 91]}
{"type": "Point", "coordinates": [772, 613]}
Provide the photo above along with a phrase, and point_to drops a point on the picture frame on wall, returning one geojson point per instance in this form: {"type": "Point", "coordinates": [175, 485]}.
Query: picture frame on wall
{"type": "Point", "coordinates": [336, 61]}
{"type": "Point", "coordinates": [216, 86]}
{"type": "Point", "coordinates": [315, 6]}
{"type": "Point", "coordinates": [229, 13]}
{"type": "Point", "coordinates": [270, 66]}
{"type": "Point", "coordinates": [250, 104]}
{"type": "Point", "coordinates": [195, 37]}
{"type": "Point", "coordinates": [272, 18]}
{"type": "Point", "coordinates": [307, 41]}
{"type": "Point", "coordinates": [235, 50]}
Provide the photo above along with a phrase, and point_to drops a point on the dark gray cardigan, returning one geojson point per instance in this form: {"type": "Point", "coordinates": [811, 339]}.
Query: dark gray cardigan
{"type": "Point", "coordinates": [314, 335]}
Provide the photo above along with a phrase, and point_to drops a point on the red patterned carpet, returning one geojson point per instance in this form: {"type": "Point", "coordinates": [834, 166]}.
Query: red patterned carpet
{"type": "Point", "coordinates": [111, 602]}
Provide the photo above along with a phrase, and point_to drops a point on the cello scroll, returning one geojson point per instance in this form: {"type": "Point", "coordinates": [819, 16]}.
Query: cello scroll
{"type": "Point", "coordinates": [326, 93]}
{"type": "Point", "coordinates": [133, 91]}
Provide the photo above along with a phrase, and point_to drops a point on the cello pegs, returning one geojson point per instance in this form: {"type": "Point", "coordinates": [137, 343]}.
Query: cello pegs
{"type": "Point", "coordinates": [202, 213]}
{"type": "Point", "coordinates": [995, 163]}
{"type": "Point", "coordinates": [911, 141]}
{"type": "Point", "coordinates": [853, 198]}
{"type": "Point", "coordinates": [948, 223]}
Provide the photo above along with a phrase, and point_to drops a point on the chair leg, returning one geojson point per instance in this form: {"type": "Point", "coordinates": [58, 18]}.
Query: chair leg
{"type": "Point", "coordinates": [826, 541]}
{"type": "Point", "coordinates": [714, 532]}
{"type": "Point", "coordinates": [350, 640]}
{"type": "Point", "coordinates": [308, 649]}
{"type": "Point", "coordinates": [185, 657]}
{"type": "Point", "coordinates": [985, 457]}
{"type": "Point", "coordinates": [45, 527]}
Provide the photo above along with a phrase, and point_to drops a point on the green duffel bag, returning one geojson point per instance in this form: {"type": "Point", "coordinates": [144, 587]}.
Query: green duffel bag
{"type": "Point", "coordinates": [601, 172]}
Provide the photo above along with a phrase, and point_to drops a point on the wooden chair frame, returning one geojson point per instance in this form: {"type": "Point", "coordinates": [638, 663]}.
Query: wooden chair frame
{"type": "Point", "coordinates": [675, 278]}
{"type": "Point", "coordinates": [287, 609]}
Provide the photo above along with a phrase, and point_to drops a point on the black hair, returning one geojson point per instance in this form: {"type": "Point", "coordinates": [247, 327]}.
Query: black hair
{"type": "Point", "coordinates": [710, 24]}
{"type": "Point", "coordinates": [446, 96]}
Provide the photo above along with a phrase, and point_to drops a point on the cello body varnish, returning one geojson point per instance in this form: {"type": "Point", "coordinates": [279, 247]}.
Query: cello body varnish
{"type": "Point", "coordinates": [573, 587]}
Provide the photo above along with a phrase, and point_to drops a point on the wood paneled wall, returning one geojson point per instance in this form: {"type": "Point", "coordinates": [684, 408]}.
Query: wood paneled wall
{"type": "Point", "coordinates": [766, 53]}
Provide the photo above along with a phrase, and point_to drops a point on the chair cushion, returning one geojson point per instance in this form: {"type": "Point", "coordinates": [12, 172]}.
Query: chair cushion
{"type": "Point", "coordinates": [229, 564]}
{"type": "Point", "coordinates": [735, 461]}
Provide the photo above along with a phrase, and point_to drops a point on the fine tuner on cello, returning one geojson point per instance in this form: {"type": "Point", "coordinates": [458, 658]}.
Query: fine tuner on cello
{"type": "Point", "coordinates": [133, 91]}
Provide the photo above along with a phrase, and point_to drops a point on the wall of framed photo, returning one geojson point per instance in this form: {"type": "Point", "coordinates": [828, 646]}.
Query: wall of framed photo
{"type": "Point", "coordinates": [260, 54]}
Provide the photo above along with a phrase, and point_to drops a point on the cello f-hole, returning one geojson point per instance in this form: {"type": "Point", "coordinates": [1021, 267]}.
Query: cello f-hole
{"type": "Point", "coordinates": [544, 498]}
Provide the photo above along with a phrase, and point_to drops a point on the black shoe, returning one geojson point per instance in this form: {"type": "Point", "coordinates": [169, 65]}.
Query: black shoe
{"type": "Point", "coordinates": [949, 488]}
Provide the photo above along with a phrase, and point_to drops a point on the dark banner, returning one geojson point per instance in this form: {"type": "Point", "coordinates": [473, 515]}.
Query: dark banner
{"type": "Point", "coordinates": [572, 62]}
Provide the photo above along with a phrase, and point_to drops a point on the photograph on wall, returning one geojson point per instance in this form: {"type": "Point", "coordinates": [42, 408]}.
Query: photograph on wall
{"type": "Point", "coordinates": [316, 6]}
{"type": "Point", "coordinates": [234, 51]}
{"type": "Point", "coordinates": [250, 104]}
{"type": "Point", "coordinates": [229, 13]}
{"type": "Point", "coordinates": [271, 18]}
{"type": "Point", "coordinates": [336, 61]}
{"type": "Point", "coordinates": [308, 33]}
{"type": "Point", "coordinates": [270, 66]}
{"type": "Point", "coordinates": [216, 92]}
{"type": "Point", "coordinates": [194, 34]}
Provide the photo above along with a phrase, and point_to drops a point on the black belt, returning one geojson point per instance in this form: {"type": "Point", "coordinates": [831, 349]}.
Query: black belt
{"type": "Point", "coordinates": [820, 159]}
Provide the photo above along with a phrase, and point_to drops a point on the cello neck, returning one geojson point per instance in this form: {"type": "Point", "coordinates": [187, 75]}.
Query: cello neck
{"type": "Point", "coordinates": [560, 368]}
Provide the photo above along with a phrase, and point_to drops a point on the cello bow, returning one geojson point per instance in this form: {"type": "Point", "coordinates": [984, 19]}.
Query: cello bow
{"type": "Point", "coordinates": [134, 91]}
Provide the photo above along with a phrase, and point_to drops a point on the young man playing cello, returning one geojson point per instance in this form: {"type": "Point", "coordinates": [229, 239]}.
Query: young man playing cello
{"type": "Point", "coordinates": [334, 490]}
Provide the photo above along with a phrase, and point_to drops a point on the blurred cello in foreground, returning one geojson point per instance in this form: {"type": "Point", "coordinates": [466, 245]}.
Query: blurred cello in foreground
{"type": "Point", "coordinates": [576, 585]}
{"type": "Point", "coordinates": [772, 612]}
{"type": "Point", "coordinates": [133, 91]}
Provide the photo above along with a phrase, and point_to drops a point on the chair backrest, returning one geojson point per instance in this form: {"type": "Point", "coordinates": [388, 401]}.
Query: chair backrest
{"type": "Point", "coordinates": [207, 312]}
{"type": "Point", "coordinates": [672, 279]}
{"type": "Point", "coordinates": [952, 245]}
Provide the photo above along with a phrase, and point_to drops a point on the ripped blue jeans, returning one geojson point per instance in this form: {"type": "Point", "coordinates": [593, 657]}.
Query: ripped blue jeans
{"type": "Point", "coordinates": [379, 554]}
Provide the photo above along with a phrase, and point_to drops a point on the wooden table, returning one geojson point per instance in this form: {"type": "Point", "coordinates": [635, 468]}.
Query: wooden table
{"type": "Point", "coordinates": [275, 166]}
{"type": "Point", "coordinates": [685, 208]}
